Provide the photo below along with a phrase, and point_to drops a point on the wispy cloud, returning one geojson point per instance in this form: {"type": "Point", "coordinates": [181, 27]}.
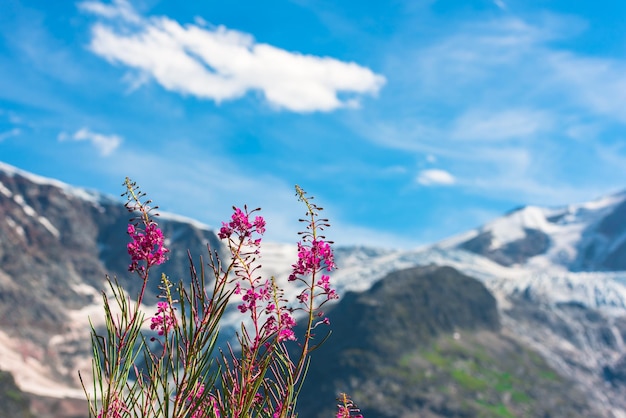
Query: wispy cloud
{"type": "Point", "coordinates": [11, 125]}
{"type": "Point", "coordinates": [483, 125]}
{"type": "Point", "coordinates": [10, 133]}
{"type": "Point", "coordinates": [435, 177]}
{"type": "Point", "coordinates": [222, 64]}
{"type": "Point", "coordinates": [105, 144]}
{"type": "Point", "coordinates": [596, 84]}
{"type": "Point", "coordinates": [501, 5]}
{"type": "Point", "coordinates": [119, 9]}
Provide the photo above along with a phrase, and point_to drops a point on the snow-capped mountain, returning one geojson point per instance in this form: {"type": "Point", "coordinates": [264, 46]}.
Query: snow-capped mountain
{"type": "Point", "coordinates": [57, 244]}
{"type": "Point", "coordinates": [558, 275]}
{"type": "Point", "coordinates": [588, 236]}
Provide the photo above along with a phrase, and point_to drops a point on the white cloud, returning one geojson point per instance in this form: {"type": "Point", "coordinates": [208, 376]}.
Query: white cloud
{"type": "Point", "coordinates": [435, 177]}
{"type": "Point", "coordinates": [9, 134]}
{"type": "Point", "coordinates": [106, 144]}
{"type": "Point", "coordinates": [501, 5]}
{"type": "Point", "coordinates": [119, 9]}
{"type": "Point", "coordinates": [223, 64]}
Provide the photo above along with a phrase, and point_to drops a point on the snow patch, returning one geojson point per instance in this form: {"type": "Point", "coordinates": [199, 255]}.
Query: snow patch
{"type": "Point", "coordinates": [603, 202]}
{"type": "Point", "coordinates": [5, 191]}
{"type": "Point", "coordinates": [512, 227]}
{"type": "Point", "coordinates": [19, 199]}
{"type": "Point", "coordinates": [48, 225]}
{"type": "Point", "coordinates": [31, 375]}
{"type": "Point", "coordinates": [277, 259]}
{"type": "Point", "coordinates": [16, 227]}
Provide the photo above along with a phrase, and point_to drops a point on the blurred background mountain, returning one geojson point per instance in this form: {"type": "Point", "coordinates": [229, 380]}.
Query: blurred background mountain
{"type": "Point", "coordinates": [525, 316]}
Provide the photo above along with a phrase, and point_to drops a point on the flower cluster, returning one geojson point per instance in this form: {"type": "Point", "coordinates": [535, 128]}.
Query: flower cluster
{"type": "Point", "coordinates": [240, 225]}
{"type": "Point", "coordinates": [313, 258]}
{"type": "Point", "coordinates": [255, 292]}
{"type": "Point", "coordinates": [146, 246]}
{"type": "Point", "coordinates": [280, 322]}
{"type": "Point", "coordinates": [182, 376]}
{"type": "Point", "coordinates": [205, 403]}
{"type": "Point", "coordinates": [164, 318]}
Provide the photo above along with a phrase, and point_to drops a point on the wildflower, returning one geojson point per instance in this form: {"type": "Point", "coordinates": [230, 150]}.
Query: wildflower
{"type": "Point", "coordinates": [260, 378]}
{"type": "Point", "coordinates": [146, 247]}
{"type": "Point", "coordinates": [163, 319]}
{"type": "Point", "coordinates": [200, 412]}
{"type": "Point", "coordinates": [324, 284]}
{"type": "Point", "coordinates": [241, 226]}
{"type": "Point", "coordinates": [312, 258]}
{"type": "Point", "coordinates": [303, 297]}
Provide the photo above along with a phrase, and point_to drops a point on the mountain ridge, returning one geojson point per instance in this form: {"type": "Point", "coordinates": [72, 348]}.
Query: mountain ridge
{"type": "Point", "coordinates": [584, 236]}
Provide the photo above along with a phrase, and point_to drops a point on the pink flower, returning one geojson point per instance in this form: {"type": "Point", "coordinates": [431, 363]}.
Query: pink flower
{"type": "Point", "coordinates": [200, 412]}
{"type": "Point", "coordinates": [286, 334]}
{"type": "Point", "coordinates": [312, 258]}
{"type": "Point", "coordinates": [163, 319]}
{"type": "Point", "coordinates": [146, 247]}
{"type": "Point", "coordinates": [241, 226]}
{"type": "Point", "coordinates": [259, 224]}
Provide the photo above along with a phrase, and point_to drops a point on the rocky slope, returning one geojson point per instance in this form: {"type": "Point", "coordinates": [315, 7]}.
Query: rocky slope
{"type": "Point", "coordinates": [57, 244]}
{"type": "Point", "coordinates": [428, 342]}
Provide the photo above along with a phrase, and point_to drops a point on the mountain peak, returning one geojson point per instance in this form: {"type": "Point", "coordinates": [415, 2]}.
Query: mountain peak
{"type": "Point", "coordinates": [578, 237]}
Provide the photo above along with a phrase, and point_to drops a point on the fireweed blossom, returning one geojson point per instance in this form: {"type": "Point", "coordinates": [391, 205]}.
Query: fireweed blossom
{"type": "Point", "coordinates": [164, 318]}
{"type": "Point", "coordinates": [145, 247]}
{"type": "Point", "coordinates": [260, 299]}
{"type": "Point", "coordinates": [203, 404]}
{"type": "Point", "coordinates": [184, 374]}
{"type": "Point", "coordinates": [271, 315]}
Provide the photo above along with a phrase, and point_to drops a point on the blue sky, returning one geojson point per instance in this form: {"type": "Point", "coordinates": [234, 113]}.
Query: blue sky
{"type": "Point", "coordinates": [409, 121]}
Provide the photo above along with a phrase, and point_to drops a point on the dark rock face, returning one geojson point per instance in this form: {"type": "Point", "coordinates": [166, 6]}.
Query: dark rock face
{"type": "Point", "coordinates": [426, 342]}
{"type": "Point", "coordinates": [615, 373]}
{"type": "Point", "coordinates": [604, 246]}
{"type": "Point", "coordinates": [534, 243]}
{"type": "Point", "coordinates": [51, 242]}
{"type": "Point", "coordinates": [412, 306]}
{"type": "Point", "coordinates": [13, 402]}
